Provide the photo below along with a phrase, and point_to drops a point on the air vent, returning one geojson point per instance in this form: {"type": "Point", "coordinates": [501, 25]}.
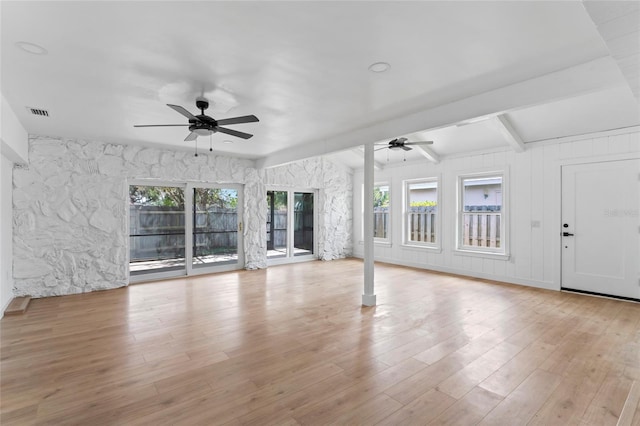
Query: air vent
{"type": "Point", "coordinates": [38, 111]}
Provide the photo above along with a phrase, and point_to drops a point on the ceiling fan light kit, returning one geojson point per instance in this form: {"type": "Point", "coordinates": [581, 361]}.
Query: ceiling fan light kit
{"type": "Point", "coordinates": [204, 125]}
{"type": "Point", "coordinates": [401, 144]}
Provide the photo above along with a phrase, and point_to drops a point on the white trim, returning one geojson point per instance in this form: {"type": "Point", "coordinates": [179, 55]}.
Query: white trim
{"type": "Point", "coordinates": [430, 249]}
{"type": "Point", "coordinates": [505, 220]}
{"type": "Point", "coordinates": [585, 136]}
{"type": "Point", "coordinates": [387, 240]}
{"type": "Point", "coordinates": [293, 259]}
{"type": "Point", "coordinates": [511, 135]}
{"type": "Point", "coordinates": [6, 305]}
{"type": "Point", "coordinates": [213, 267]}
{"type": "Point", "coordinates": [547, 285]}
{"type": "Point", "coordinates": [359, 150]}
{"type": "Point", "coordinates": [153, 276]}
{"type": "Point", "coordinates": [405, 201]}
{"type": "Point", "coordinates": [428, 153]}
{"type": "Point", "coordinates": [290, 257]}
{"type": "Point", "coordinates": [486, 254]}
{"type": "Point", "coordinates": [382, 243]}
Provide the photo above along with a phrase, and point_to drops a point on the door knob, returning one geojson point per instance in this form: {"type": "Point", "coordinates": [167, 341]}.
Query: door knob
{"type": "Point", "coordinates": [567, 234]}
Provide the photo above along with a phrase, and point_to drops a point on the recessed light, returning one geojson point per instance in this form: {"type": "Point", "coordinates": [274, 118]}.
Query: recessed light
{"type": "Point", "coordinates": [32, 48]}
{"type": "Point", "coordinates": [379, 67]}
{"type": "Point", "coordinates": [227, 141]}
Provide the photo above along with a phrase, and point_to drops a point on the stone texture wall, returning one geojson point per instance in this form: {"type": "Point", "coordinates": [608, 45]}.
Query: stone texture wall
{"type": "Point", "coordinates": [70, 206]}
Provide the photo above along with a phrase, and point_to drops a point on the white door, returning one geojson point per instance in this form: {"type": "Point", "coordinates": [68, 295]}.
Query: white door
{"type": "Point", "coordinates": [601, 228]}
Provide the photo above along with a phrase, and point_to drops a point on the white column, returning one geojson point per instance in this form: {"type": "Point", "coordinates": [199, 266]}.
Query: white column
{"type": "Point", "coordinates": [368, 297]}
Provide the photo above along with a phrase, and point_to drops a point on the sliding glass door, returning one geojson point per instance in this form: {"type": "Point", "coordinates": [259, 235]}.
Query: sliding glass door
{"type": "Point", "coordinates": [290, 225]}
{"type": "Point", "coordinates": [303, 228]}
{"type": "Point", "coordinates": [156, 230]}
{"type": "Point", "coordinates": [277, 224]}
{"type": "Point", "coordinates": [184, 229]}
{"type": "Point", "coordinates": [215, 236]}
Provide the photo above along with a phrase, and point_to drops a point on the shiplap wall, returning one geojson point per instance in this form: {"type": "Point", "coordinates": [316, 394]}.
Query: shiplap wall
{"type": "Point", "coordinates": [533, 198]}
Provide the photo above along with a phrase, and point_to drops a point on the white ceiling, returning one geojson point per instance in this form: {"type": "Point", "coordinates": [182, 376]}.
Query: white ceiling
{"type": "Point", "coordinates": [301, 67]}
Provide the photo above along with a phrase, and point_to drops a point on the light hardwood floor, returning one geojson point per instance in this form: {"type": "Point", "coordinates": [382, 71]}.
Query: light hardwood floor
{"type": "Point", "coordinates": [292, 345]}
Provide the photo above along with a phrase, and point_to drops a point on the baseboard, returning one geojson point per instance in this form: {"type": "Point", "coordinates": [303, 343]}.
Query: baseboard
{"type": "Point", "coordinates": [545, 285]}
{"type": "Point", "coordinates": [5, 306]}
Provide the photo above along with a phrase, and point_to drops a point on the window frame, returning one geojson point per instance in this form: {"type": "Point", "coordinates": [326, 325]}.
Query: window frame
{"type": "Point", "coordinates": [290, 256]}
{"type": "Point", "coordinates": [501, 252]}
{"type": "Point", "coordinates": [406, 242]}
{"type": "Point", "coordinates": [377, 240]}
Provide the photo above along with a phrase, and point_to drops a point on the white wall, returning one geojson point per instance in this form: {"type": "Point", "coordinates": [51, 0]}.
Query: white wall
{"type": "Point", "coordinates": [533, 200]}
{"type": "Point", "coordinates": [71, 202]}
{"type": "Point", "coordinates": [14, 149]}
{"type": "Point", "coordinates": [6, 221]}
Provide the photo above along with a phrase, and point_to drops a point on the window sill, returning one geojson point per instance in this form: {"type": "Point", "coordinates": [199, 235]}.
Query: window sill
{"type": "Point", "coordinates": [421, 248]}
{"type": "Point", "coordinates": [378, 243]}
{"type": "Point", "coordinates": [484, 254]}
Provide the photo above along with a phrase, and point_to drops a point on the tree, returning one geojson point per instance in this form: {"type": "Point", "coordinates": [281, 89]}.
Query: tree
{"type": "Point", "coordinates": [380, 198]}
{"type": "Point", "coordinates": [169, 196]}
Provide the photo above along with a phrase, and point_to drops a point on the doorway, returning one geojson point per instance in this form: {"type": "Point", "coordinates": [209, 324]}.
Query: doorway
{"type": "Point", "coordinates": [601, 228]}
{"type": "Point", "coordinates": [184, 229]}
{"type": "Point", "coordinates": [290, 225]}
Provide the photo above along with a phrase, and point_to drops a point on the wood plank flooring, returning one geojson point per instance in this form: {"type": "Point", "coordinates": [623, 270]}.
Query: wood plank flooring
{"type": "Point", "coordinates": [292, 345]}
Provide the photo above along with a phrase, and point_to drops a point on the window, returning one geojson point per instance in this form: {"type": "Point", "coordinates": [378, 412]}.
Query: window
{"type": "Point", "coordinates": [421, 213]}
{"type": "Point", "coordinates": [381, 209]}
{"type": "Point", "coordinates": [481, 220]}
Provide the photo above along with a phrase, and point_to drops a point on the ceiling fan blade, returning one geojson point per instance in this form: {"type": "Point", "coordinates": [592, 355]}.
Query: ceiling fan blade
{"type": "Point", "coordinates": [234, 133]}
{"type": "Point", "coordinates": [181, 110]}
{"type": "Point", "coordinates": [400, 140]}
{"type": "Point", "coordinates": [191, 136]}
{"type": "Point", "coordinates": [160, 125]}
{"type": "Point", "coordinates": [238, 120]}
{"type": "Point", "coordinates": [384, 147]}
{"type": "Point", "coordinates": [419, 143]}
{"type": "Point", "coordinates": [406, 148]}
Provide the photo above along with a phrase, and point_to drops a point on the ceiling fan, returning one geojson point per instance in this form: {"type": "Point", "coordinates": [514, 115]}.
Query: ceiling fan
{"type": "Point", "coordinates": [401, 143]}
{"type": "Point", "coordinates": [204, 125]}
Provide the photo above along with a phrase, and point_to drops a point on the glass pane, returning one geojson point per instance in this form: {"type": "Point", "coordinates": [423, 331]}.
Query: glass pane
{"type": "Point", "coordinates": [156, 229]}
{"type": "Point", "coordinates": [422, 198]}
{"type": "Point", "coordinates": [215, 226]}
{"type": "Point", "coordinates": [303, 224]}
{"type": "Point", "coordinates": [276, 224]}
{"type": "Point", "coordinates": [481, 215]}
{"type": "Point", "coordinates": [381, 211]}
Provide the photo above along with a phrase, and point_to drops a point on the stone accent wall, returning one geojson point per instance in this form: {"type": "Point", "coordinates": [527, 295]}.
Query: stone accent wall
{"type": "Point", "coordinates": [70, 205]}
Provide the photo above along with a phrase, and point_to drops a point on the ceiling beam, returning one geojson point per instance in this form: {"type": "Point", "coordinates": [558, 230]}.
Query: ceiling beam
{"type": "Point", "coordinates": [360, 151]}
{"type": "Point", "coordinates": [14, 139]}
{"type": "Point", "coordinates": [588, 77]}
{"type": "Point", "coordinates": [510, 134]}
{"type": "Point", "coordinates": [428, 153]}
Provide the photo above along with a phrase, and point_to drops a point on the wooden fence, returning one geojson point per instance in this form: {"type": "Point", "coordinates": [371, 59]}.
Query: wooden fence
{"type": "Point", "coordinates": [380, 222]}
{"type": "Point", "coordinates": [158, 232]}
{"type": "Point", "coordinates": [302, 226]}
{"type": "Point", "coordinates": [421, 225]}
{"type": "Point", "coordinates": [481, 229]}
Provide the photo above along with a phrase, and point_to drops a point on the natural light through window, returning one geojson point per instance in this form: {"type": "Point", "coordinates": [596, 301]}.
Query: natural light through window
{"type": "Point", "coordinates": [421, 213]}
{"type": "Point", "coordinates": [481, 217]}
